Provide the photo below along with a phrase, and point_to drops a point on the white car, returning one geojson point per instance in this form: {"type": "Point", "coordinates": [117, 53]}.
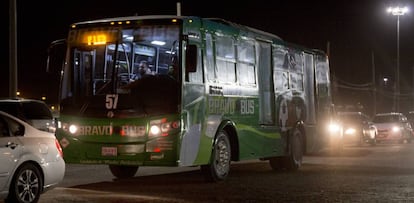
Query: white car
{"type": "Point", "coordinates": [31, 160]}
{"type": "Point", "coordinates": [35, 112]}
{"type": "Point", "coordinates": [393, 127]}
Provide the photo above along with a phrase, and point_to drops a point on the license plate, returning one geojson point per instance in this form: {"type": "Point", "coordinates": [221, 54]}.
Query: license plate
{"type": "Point", "coordinates": [109, 151]}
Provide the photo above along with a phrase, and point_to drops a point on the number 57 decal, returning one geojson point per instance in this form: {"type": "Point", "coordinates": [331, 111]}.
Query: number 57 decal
{"type": "Point", "coordinates": [111, 101]}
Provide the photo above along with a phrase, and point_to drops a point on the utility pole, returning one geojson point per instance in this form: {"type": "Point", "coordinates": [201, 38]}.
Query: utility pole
{"type": "Point", "coordinates": [13, 50]}
{"type": "Point", "coordinates": [374, 89]}
{"type": "Point", "coordinates": [398, 11]}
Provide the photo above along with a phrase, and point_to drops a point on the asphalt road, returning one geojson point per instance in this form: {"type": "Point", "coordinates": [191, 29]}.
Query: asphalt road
{"type": "Point", "coordinates": [383, 173]}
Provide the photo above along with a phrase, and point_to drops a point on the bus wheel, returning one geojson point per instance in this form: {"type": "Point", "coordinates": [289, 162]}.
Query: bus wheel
{"type": "Point", "coordinates": [219, 166]}
{"type": "Point", "coordinates": [276, 163]}
{"type": "Point", "coordinates": [121, 172]}
{"type": "Point", "coordinates": [293, 160]}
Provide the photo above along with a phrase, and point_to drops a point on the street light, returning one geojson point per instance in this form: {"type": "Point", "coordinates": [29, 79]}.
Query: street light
{"type": "Point", "coordinates": [397, 11]}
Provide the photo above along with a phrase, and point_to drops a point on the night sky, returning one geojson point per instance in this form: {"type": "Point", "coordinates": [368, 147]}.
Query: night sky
{"type": "Point", "coordinates": [357, 32]}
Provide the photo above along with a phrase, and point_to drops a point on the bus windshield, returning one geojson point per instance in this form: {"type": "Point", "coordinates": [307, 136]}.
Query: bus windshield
{"type": "Point", "coordinates": [113, 61]}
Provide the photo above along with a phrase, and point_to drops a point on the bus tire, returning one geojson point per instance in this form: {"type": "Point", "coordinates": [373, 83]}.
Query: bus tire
{"type": "Point", "coordinates": [276, 163]}
{"type": "Point", "coordinates": [219, 166]}
{"type": "Point", "coordinates": [293, 160]}
{"type": "Point", "coordinates": [122, 172]}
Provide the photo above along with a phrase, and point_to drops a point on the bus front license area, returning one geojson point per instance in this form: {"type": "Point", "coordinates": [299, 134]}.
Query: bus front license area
{"type": "Point", "coordinates": [109, 151]}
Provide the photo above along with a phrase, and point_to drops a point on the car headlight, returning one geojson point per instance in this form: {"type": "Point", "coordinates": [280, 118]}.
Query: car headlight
{"type": "Point", "coordinates": [350, 131]}
{"type": "Point", "coordinates": [396, 129]}
{"type": "Point", "coordinates": [334, 127]}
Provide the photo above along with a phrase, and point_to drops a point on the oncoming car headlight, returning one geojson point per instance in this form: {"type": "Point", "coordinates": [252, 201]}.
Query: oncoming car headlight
{"type": "Point", "coordinates": [396, 129]}
{"type": "Point", "coordinates": [334, 127]}
{"type": "Point", "coordinates": [350, 131]}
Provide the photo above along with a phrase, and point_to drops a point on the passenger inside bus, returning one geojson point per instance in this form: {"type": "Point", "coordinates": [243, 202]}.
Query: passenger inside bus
{"type": "Point", "coordinates": [155, 93]}
{"type": "Point", "coordinates": [143, 70]}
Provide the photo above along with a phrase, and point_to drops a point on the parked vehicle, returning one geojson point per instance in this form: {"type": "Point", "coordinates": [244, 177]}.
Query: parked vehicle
{"type": "Point", "coordinates": [410, 117]}
{"type": "Point", "coordinates": [34, 112]}
{"type": "Point", "coordinates": [358, 128]}
{"type": "Point", "coordinates": [393, 127]}
{"type": "Point", "coordinates": [31, 160]}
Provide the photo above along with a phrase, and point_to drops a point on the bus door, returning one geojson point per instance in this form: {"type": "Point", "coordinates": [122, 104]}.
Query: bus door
{"type": "Point", "coordinates": [84, 61]}
{"type": "Point", "coordinates": [266, 93]}
{"type": "Point", "coordinates": [325, 111]}
{"type": "Point", "coordinates": [323, 91]}
{"type": "Point", "coordinates": [309, 90]}
{"type": "Point", "coordinates": [193, 101]}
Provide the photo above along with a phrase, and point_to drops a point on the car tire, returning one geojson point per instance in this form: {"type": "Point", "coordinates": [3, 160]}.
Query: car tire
{"type": "Point", "coordinates": [26, 185]}
{"type": "Point", "coordinates": [373, 142]}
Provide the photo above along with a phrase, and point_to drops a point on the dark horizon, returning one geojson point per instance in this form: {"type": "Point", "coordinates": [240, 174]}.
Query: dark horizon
{"type": "Point", "coordinates": [354, 31]}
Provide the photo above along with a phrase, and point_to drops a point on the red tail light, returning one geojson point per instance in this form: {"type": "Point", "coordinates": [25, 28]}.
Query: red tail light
{"type": "Point", "coordinates": [59, 148]}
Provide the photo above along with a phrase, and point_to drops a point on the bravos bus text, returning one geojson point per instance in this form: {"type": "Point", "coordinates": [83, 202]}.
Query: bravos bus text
{"type": "Point", "coordinates": [228, 106]}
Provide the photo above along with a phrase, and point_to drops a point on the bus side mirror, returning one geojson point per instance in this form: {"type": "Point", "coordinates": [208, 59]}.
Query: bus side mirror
{"type": "Point", "coordinates": [55, 51]}
{"type": "Point", "coordinates": [191, 58]}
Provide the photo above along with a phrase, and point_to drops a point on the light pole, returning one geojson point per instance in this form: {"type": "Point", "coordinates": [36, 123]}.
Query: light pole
{"type": "Point", "coordinates": [397, 11]}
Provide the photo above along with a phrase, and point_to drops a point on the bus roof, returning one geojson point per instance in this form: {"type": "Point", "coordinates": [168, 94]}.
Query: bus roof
{"type": "Point", "coordinates": [146, 17]}
{"type": "Point", "coordinates": [247, 29]}
{"type": "Point", "coordinates": [129, 18]}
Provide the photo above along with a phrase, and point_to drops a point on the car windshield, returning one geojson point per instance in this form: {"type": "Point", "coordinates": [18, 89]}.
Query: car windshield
{"type": "Point", "coordinates": [410, 116]}
{"type": "Point", "coordinates": [386, 119]}
{"type": "Point", "coordinates": [350, 117]}
{"type": "Point", "coordinates": [33, 110]}
{"type": "Point", "coordinates": [26, 110]}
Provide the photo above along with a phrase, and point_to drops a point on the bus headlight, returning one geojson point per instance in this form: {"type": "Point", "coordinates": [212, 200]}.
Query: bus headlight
{"type": "Point", "coordinates": [155, 130]}
{"type": "Point", "coordinates": [162, 127]}
{"type": "Point", "coordinates": [73, 129]}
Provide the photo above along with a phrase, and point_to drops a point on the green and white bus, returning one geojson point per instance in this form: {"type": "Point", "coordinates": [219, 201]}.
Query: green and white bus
{"type": "Point", "coordinates": [216, 92]}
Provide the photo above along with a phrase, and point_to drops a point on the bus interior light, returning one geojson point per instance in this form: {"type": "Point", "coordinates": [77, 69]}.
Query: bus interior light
{"type": "Point", "coordinates": [156, 42]}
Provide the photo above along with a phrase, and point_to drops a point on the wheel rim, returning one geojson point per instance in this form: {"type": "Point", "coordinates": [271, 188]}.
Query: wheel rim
{"type": "Point", "coordinates": [27, 185]}
{"type": "Point", "coordinates": [222, 157]}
